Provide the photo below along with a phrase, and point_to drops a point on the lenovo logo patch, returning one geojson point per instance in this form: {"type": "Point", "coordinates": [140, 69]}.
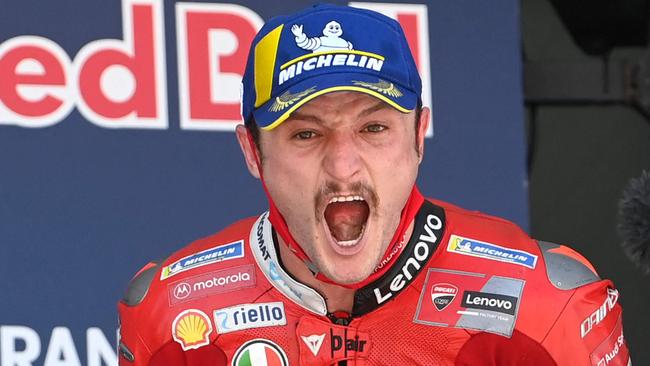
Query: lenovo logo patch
{"type": "Point", "coordinates": [492, 302]}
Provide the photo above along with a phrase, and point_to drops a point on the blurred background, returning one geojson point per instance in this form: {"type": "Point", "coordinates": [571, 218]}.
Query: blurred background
{"type": "Point", "coordinates": [586, 95]}
{"type": "Point", "coordinates": [116, 143]}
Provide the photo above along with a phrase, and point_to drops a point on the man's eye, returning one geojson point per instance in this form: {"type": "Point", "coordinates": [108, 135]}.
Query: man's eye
{"type": "Point", "coordinates": [375, 128]}
{"type": "Point", "coordinates": [305, 135]}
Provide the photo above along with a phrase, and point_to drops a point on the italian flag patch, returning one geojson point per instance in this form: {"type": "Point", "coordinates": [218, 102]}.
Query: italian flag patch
{"type": "Point", "coordinates": [260, 352]}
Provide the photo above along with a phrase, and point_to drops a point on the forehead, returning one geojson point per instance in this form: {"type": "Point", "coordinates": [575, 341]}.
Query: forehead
{"type": "Point", "coordinates": [342, 102]}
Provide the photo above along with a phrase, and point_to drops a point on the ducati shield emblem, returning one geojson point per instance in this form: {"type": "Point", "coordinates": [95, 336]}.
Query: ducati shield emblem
{"type": "Point", "coordinates": [442, 294]}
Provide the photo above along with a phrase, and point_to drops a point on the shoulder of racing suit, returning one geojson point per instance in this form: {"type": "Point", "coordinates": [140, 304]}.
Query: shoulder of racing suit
{"type": "Point", "coordinates": [565, 308]}
{"type": "Point", "coordinates": [201, 256]}
{"type": "Point", "coordinates": [140, 283]}
{"type": "Point", "coordinates": [566, 269]}
{"type": "Point", "coordinates": [163, 292]}
{"type": "Point", "coordinates": [487, 229]}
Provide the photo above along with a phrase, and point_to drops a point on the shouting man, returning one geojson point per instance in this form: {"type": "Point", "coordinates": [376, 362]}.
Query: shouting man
{"type": "Point", "coordinates": [351, 265]}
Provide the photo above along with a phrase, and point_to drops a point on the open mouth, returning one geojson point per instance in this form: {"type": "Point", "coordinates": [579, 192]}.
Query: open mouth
{"type": "Point", "coordinates": [346, 218]}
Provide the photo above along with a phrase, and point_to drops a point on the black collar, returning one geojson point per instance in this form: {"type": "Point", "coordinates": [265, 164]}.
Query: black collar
{"type": "Point", "coordinates": [428, 230]}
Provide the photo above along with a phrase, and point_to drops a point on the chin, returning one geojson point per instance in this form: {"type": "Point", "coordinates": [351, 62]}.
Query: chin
{"type": "Point", "coordinates": [348, 270]}
{"type": "Point", "coordinates": [348, 279]}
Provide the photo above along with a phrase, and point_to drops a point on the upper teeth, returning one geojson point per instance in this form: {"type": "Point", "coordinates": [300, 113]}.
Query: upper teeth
{"type": "Point", "coordinates": [345, 199]}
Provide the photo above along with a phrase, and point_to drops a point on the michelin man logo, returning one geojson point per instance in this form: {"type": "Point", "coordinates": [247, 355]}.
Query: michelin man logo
{"type": "Point", "coordinates": [330, 40]}
{"type": "Point", "coordinates": [328, 50]}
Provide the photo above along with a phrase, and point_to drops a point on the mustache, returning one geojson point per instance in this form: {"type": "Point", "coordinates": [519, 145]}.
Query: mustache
{"type": "Point", "coordinates": [329, 189]}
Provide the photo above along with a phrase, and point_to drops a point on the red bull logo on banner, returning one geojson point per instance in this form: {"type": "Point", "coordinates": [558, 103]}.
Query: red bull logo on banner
{"type": "Point", "coordinates": [122, 83]}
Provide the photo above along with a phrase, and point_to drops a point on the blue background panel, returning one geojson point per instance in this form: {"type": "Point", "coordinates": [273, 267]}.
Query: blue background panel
{"type": "Point", "coordinates": [83, 207]}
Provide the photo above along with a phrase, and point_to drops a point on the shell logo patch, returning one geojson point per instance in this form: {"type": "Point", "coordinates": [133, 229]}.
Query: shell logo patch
{"type": "Point", "coordinates": [192, 329]}
{"type": "Point", "coordinates": [260, 352]}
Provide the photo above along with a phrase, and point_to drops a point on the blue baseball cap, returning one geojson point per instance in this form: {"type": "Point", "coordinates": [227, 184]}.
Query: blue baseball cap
{"type": "Point", "coordinates": [326, 48]}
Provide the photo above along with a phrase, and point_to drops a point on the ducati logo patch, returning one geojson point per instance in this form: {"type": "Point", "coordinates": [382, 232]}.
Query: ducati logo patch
{"type": "Point", "coordinates": [442, 294]}
{"type": "Point", "coordinates": [486, 303]}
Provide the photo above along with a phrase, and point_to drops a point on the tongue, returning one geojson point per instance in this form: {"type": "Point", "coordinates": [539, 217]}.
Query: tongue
{"type": "Point", "coordinates": [346, 219]}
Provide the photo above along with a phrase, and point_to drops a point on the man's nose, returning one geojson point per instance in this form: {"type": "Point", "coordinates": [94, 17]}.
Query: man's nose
{"type": "Point", "coordinates": [342, 160]}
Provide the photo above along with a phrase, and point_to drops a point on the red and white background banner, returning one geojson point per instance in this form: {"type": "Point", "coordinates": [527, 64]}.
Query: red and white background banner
{"type": "Point", "coordinates": [116, 144]}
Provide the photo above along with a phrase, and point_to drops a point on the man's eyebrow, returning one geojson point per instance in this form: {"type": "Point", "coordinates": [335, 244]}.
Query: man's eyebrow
{"type": "Point", "coordinates": [377, 107]}
{"type": "Point", "coordinates": [305, 117]}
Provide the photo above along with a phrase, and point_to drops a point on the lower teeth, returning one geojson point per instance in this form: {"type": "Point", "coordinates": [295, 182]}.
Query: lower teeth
{"type": "Point", "coordinates": [349, 243]}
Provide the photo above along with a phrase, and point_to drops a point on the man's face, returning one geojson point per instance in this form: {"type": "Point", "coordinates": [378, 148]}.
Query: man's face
{"type": "Point", "coordinates": [340, 170]}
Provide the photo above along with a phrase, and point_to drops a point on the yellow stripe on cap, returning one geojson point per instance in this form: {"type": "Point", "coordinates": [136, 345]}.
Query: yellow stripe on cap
{"type": "Point", "coordinates": [265, 54]}
{"type": "Point", "coordinates": [299, 104]}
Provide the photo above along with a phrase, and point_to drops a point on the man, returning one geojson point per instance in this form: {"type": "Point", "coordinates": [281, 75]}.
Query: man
{"type": "Point", "coordinates": [351, 265]}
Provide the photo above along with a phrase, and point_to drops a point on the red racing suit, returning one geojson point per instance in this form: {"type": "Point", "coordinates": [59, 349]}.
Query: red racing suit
{"type": "Point", "coordinates": [466, 289]}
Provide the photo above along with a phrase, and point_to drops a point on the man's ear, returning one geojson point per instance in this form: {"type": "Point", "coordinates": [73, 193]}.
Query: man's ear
{"type": "Point", "coordinates": [422, 131]}
{"type": "Point", "coordinates": [249, 150]}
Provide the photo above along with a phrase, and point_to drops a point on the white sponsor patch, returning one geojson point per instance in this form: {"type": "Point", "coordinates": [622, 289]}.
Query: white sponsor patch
{"type": "Point", "coordinates": [208, 256]}
{"type": "Point", "coordinates": [475, 248]}
{"type": "Point", "coordinates": [246, 316]}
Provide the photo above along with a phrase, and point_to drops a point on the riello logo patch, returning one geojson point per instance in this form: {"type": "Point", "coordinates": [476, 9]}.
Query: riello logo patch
{"type": "Point", "coordinates": [122, 83]}
{"type": "Point", "coordinates": [442, 294]}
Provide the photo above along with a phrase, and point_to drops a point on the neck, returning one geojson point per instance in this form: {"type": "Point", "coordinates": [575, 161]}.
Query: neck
{"type": "Point", "coordinates": [338, 298]}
